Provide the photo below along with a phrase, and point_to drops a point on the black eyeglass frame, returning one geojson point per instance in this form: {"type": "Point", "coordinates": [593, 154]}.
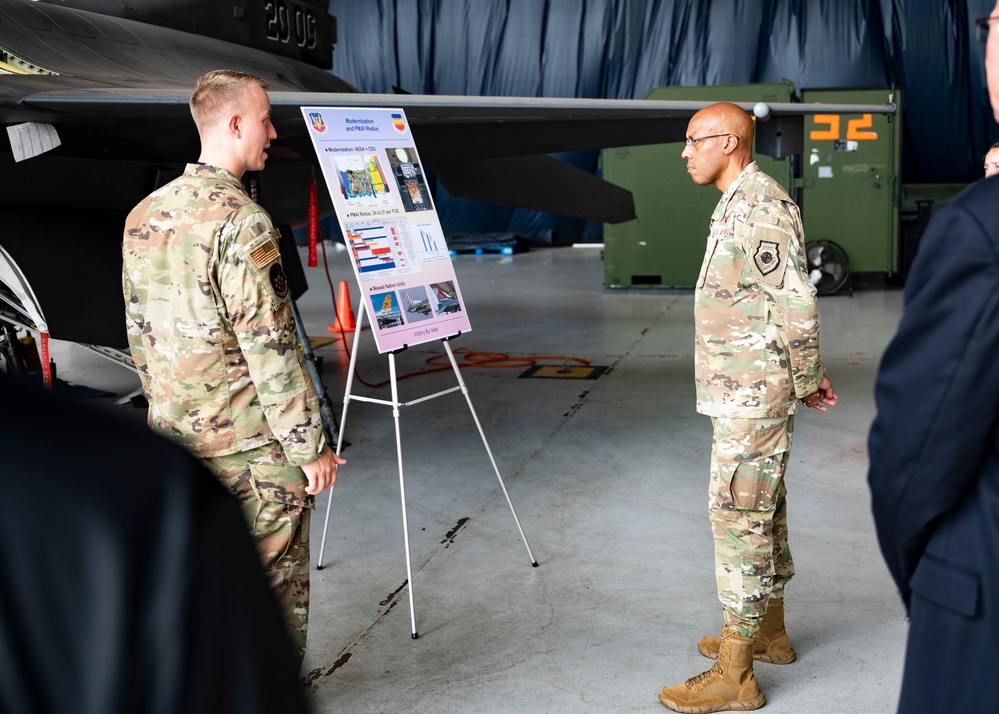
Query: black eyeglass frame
{"type": "Point", "coordinates": [691, 141]}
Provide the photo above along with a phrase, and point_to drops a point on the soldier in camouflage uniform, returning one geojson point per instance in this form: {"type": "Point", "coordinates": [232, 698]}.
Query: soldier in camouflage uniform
{"type": "Point", "coordinates": [756, 355]}
{"type": "Point", "coordinates": [213, 336]}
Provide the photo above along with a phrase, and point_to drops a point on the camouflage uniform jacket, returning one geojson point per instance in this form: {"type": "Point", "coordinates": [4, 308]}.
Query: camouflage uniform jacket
{"type": "Point", "coordinates": [756, 317]}
{"type": "Point", "coordinates": [208, 320]}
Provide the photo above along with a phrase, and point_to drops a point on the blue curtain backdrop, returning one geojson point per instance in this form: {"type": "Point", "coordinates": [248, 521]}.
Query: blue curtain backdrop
{"type": "Point", "coordinates": [622, 49]}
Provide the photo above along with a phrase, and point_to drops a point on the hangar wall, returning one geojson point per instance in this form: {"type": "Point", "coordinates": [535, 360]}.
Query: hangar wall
{"type": "Point", "coordinates": [624, 48]}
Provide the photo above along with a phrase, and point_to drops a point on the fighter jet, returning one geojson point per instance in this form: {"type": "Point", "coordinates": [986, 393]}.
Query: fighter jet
{"type": "Point", "coordinates": [447, 301]}
{"type": "Point", "coordinates": [94, 98]}
{"type": "Point", "coordinates": [389, 315]}
{"type": "Point", "coordinates": [421, 306]}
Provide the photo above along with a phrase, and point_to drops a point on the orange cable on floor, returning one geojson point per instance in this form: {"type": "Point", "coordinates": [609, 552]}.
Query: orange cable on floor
{"type": "Point", "coordinates": [488, 360]}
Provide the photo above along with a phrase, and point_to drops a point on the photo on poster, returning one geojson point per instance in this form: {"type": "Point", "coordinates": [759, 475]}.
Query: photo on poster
{"type": "Point", "coordinates": [362, 181]}
{"type": "Point", "coordinates": [416, 303]}
{"type": "Point", "coordinates": [409, 178]}
{"type": "Point", "coordinates": [388, 315]}
{"type": "Point", "coordinates": [445, 298]}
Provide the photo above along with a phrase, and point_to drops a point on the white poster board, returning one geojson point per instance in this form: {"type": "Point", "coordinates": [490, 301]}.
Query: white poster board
{"type": "Point", "coordinates": [389, 223]}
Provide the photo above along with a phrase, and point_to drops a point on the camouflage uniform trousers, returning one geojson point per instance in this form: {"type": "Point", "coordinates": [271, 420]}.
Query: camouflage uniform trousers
{"type": "Point", "coordinates": [278, 512]}
{"type": "Point", "coordinates": [747, 507]}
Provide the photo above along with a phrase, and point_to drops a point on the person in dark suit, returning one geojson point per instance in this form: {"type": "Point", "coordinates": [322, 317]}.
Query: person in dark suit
{"type": "Point", "coordinates": [128, 580]}
{"type": "Point", "coordinates": [934, 450]}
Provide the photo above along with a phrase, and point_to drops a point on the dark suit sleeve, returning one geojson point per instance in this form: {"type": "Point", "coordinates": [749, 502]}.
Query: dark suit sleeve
{"type": "Point", "coordinates": [938, 386]}
{"type": "Point", "coordinates": [129, 581]}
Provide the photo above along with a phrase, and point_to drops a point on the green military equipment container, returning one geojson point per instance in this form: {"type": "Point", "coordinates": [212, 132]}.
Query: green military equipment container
{"type": "Point", "coordinates": [665, 245]}
{"type": "Point", "coordinates": [846, 181]}
{"type": "Point", "coordinates": [850, 188]}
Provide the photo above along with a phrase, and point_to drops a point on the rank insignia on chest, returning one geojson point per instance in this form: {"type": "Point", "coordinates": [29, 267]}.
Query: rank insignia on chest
{"type": "Point", "coordinates": [264, 253]}
{"type": "Point", "coordinates": [767, 257]}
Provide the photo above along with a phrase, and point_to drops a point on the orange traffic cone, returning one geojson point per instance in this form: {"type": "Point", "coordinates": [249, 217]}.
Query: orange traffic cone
{"type": "Point", "coordinates": [344, 312]}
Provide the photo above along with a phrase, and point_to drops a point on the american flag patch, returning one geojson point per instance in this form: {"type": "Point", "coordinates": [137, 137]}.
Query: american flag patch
{"type": "Point", "coordinates": [264, 254]}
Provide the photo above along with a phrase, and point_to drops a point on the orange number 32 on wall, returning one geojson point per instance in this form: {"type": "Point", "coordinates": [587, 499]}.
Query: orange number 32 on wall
{"type": "Point", "coordinates": [854, 128]}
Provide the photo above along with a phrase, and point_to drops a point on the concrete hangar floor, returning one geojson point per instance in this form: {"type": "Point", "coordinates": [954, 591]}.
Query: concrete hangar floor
{"type": "Point", "coordinates": [608, 477]}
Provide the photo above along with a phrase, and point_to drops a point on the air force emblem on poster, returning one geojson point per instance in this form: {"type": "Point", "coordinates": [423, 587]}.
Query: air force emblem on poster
{"type": "Point", "coordinates": [318, 124]}
{"type": "Point", "coordinates": [767, 257]}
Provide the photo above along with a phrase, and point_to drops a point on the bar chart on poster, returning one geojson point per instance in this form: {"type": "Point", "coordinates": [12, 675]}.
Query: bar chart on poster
{"type": "Point", "coordinates": [380, 247]}
{"type": "Point", "coordinates": [372, 169]}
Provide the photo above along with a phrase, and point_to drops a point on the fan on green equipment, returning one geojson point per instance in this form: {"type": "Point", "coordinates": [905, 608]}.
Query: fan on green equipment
{"type": "Point", "coordinates": [828, 267]}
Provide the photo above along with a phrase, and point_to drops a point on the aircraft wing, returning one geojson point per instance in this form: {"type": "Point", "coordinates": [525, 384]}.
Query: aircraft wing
{"type": "Point", "coordinates": [96, 112]}
{"type": "Point", "coordinates": [114, 85]}
{"type": "Point", "coordinates": [120, 143]}
{"type": "Point", "coordinates": [450, 126]}
{"type": "Point", "coordinates": [487, 148]}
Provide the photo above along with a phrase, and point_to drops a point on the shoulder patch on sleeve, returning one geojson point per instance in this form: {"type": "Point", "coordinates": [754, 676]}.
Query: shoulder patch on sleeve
{"type": "Point", "coordinates": [769, 254]}
{"type": "Point", "coordinates": [278, 280]}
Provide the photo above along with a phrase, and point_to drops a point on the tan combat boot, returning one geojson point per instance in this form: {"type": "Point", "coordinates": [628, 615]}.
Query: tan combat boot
{"type": "Point", "coordinates": [772, 644]}
{"type": "Point", "coordinates": [729, 685]}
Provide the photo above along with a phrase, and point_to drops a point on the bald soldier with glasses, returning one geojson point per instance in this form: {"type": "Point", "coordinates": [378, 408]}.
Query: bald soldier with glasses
{"type": "Point", "coordinates": [756, 357]}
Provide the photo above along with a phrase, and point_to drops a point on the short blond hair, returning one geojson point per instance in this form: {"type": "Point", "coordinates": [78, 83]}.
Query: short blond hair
{"type": "Point", "coordinates": [217, 91]}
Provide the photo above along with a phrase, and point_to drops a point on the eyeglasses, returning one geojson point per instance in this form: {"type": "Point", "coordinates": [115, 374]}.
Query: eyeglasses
{"type": "Point", "coordinates": [984, 25]}
{"type": "Point", "coordinates": [692, 142]}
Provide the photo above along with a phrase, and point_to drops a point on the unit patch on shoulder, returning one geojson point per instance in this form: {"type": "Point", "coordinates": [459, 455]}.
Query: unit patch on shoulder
{"type": "Point", "coordinates": [264, 253]}
{"type": "Point", "coordinates": [769, 253]}
{"type": "Point", "coordinates": [767, 257]}
{"type": "Point", "coordinates": [278, 280]}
